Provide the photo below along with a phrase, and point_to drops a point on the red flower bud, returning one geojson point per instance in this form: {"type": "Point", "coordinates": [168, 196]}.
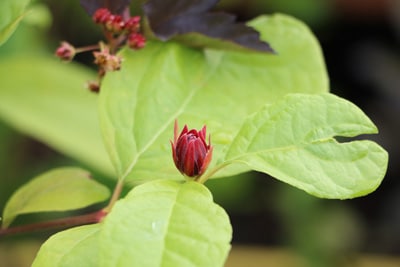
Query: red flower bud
{"type": "Point", "coordinates": [190, 151]}
{"type": "Point", "coordinates": [102, 15]}
{"type": "Point", "coordinates": [65, 51]}
{"type": "Point", "coordinates": [132, 24]}
{"type": "Point", "coordinates": [136, 41]}
{"type": "Point", "coordinates": [115, 24]}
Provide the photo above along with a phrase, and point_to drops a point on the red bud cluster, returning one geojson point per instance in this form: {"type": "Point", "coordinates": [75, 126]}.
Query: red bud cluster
{"type": "Point", "coordinates": [118, 30]}
{"type": "Point", "coordinates": [115, 23]}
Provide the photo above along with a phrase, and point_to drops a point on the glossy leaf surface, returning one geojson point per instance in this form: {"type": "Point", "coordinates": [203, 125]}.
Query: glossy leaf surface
{"type": "Point", "coordinates": [294, 141]}
{"type": "Point", "coordinates": [165, 81]}
{"type": "Point", "coordinates": [165, 223]}
{"type": "Point", "coordinates": [56, 190]}
{"type": "Point", "coordinates": [75, 247]}
{"type": "Point", "coordinates": [161, 223]}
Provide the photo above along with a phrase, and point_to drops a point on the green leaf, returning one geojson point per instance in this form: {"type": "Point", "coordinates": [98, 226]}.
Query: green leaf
{"type": "Point", "coordinates": [160, 223]}
{"type": "Point", "coordinates": [75, 247]}
{"type": "Point", "coordinates": [165, 223]}
{"type": "Point", "coordinates": [46, 99]}
{"type": "Point", "coordinates": [11, 12]}
{"type": "Point", "coordinates": [56, 190]}
{"type": "Point", "coordinates": [293, 141]}
{"type": "Point", "coordinates": [165, 81]}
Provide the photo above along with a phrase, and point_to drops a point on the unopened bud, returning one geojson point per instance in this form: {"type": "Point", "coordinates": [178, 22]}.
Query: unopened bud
{"type": "Point", "coordinates": [136, 41]}
{"type": "Point", "coordinates": [101, 15]}
{"type": "Point", "coordinates": [115, 24]}
{"type": "Point", "coordinates": [132, 25]}
{"type": "Point", "coordinates": [65, 51]}
{"type": "Point", "coordinates": [93, 86]}
{"type": "Point", "coordinates": [190, 151]}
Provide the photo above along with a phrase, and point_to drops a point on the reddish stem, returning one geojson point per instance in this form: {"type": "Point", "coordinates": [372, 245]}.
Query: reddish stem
{"type": "Point", "coordinates": [94, 217]}
{"type": "Point", "coordinates": [90, 218]}
{"type": "Point", "coordinates": [86, 48]}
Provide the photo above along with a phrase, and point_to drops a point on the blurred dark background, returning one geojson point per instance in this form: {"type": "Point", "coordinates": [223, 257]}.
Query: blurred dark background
{"type": "Point", "coordinates": [360, 41]}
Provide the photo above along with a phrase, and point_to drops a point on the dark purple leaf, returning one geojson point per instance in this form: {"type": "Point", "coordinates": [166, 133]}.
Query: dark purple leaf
{"type": "Point", "coordinates": [115, 6]}
{"type": "Point", "coordinates": [190, 21]}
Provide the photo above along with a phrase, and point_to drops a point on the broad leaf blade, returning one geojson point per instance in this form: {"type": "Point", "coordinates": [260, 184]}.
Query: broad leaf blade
{"type": "Point", "coordinates": [293, 140]}
{"type": "Point", "coordinates": [11, 12]}
{"type": "Point", "coordinates": [199, 28]}
{"type": "Point", "coordinates": [46, 99]}
{"type": "Point", "coordinates": [148, 101]}
{"type": "Point", "coordinates": [166, 81]}
{"type": "Point", "coordinates": [56, 190]}
{"type": "Point", "coordinates": [75, 247]}
{"type": "Point", "coordinates": [164, 223]}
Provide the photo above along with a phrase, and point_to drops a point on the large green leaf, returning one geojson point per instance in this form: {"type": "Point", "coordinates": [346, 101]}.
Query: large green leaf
{"type": "Point", "coordinates": [166, 81]}
{"type": "Point", "coordinates": [160, 223]}
{"type": "Point", "coordinates": [75, 247]}
{"type": "Point", "coordinates": [56, 190]}
{"type": "Point", "coordinates": [46, 99]}
{"type": "Point", "coordinates": [293, 140]}
{"type": "Point", "coordinates": [165, 223]}
{"type": "Point", "coordinates": [11, 12]}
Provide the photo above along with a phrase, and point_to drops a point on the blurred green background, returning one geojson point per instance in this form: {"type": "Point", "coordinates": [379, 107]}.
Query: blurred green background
{"type": "Point", "coordinates": [283, 226]}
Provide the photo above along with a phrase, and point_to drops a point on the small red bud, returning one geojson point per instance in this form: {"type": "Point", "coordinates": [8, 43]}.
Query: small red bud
{"type": "Point", "coordinates": [101, 15]}
{"type": "Point", "coordinates": [115, 24]}
{"type": "Point", "coordinates": [190, 151]}
{"type": "Point", "coordinates": [93, 86]}
{"type": "Point", "coordinates": [65, 51]}
{"type": "Point", "coordinates": [136, 41]}
{"type": "Point", "coordinates": [132, 25]}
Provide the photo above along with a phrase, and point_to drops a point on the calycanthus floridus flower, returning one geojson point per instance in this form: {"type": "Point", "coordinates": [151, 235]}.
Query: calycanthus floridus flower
{"type": "Point", "coordinates": [190, 151]}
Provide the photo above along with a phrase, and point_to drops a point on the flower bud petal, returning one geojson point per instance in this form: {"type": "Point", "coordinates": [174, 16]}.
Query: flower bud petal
{"type": "Point", "coordinates": [65, 51]}
{"type": "Point", "coordinates": [136, 41]}
{"type": "Point", "coordinates": [101, 16]}
{"type": "Point", "coordinates": [190, 152]}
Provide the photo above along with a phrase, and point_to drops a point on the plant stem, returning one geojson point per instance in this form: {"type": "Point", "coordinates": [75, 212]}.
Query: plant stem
{"type": "Point", "coordinates": [204, 178]}
{"type": "Point", "coordinates": [86, 48]}
{"type": "Point", "coordinates": [115, 196]}
{"type": "Point", "coordinates": [94, 217]}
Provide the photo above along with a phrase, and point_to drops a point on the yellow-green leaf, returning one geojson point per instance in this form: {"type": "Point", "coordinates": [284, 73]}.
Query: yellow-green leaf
{"type": "Point", "coordinates": [56, 190]}
{"type": "Point", "coordinates": [11, 12]}
{"type": "Point", "coordinates": [294, 141]}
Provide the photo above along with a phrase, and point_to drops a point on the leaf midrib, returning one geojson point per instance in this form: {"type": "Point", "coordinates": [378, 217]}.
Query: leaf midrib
{"type": "Point", "coordinates": [209, 73]}
{"type": "Point", "coordinates": [25, 202]}
{"type": "Point", "coordinates": [171, 211]}
{"type": "Point", "coordinates": [298, 146]}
